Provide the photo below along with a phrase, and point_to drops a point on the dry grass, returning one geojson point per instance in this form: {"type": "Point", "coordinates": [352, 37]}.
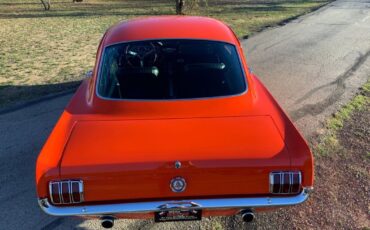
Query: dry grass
{"type": "Point", "coordinates": [329, 143]}
{"type": "Point", "coordinates": [51, 50]}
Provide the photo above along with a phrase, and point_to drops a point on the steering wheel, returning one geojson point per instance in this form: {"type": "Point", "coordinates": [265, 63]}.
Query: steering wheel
{"type": "Point", "coordinates": [141, 55]}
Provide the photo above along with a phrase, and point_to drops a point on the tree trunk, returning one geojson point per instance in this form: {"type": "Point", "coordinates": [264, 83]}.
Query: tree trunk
{"type": "Point", "coordinates": [180, 6]}
{"type": "Point", "coordinates": [46, 4]}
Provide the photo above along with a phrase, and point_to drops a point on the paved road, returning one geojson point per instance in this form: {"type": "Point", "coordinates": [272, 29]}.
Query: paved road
{"type": "Point", "coordinates": [316, 62]}
{"type": "Point", "coordinates": [311, 66]}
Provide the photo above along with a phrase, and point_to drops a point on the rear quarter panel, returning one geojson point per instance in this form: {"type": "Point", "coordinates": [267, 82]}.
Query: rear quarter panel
{"type": "Point", "coordinates": [48, 160]}
{"type": "Point", "coordinates": [300, 154]}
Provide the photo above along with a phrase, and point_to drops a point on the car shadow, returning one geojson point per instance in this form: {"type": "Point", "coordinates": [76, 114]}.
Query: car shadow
{"type": "Point", "coordinates": [23, 132]}
{"type": "Point", "coordinates": [13, 97]}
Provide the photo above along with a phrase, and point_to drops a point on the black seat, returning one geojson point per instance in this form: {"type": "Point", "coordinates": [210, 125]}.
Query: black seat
{"type": "Point", "coordinates": [200, 81]}
{"type": "Point", "coordinates": [141, 84]}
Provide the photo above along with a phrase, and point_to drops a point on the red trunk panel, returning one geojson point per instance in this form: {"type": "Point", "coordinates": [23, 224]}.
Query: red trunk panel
{"type": "Point", "coordinates": [219, 157]}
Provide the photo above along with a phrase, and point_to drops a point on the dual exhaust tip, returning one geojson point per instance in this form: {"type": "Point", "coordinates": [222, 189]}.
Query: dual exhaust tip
{"type": "Point", "coordinates": [107, 221]}
{"type": "Point", "coordinates": [247, 216]}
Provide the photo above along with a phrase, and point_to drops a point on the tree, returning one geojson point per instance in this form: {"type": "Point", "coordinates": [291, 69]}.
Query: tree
{"type": "Point", "coordinates": [190, 5]}
{"type": "Point", "coordinates": [180, 6]}
{"type": "Point", "coordinates": [46, 4]}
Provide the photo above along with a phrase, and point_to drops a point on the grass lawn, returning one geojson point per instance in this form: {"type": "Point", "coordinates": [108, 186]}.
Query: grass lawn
{"type": "Point", "coordinates": [49, 51]}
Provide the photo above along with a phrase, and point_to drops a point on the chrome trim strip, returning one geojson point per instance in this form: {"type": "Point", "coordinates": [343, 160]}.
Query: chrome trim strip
{"type": "Point", "coordinates": [51, 192]}
{"type": "Point", "coordinates": [271, 182]}
{"type": "Point", "coordinates": [60, 193]}
{"type": "Point", "coordinates": [281, 182]}
{"type": "Point", "coordinates": [61, 185]}
{"type": "Point", "coordinates": [81, 189]}
{"type": "Point", "coordinates": [155, 206]}
{"type": "Point", "coordinates": [70, 191]}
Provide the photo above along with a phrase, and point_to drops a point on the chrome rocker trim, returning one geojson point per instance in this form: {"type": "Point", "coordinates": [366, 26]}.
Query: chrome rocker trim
{"type": "Point", "coordinates": [155, 206]}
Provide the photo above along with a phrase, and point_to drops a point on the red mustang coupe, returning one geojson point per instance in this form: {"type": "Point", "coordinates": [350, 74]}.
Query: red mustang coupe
{"type": "Point", "coordinates": [172, 125]}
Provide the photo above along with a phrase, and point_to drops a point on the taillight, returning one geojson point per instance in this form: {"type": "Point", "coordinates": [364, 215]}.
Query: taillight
{"type": "Point", "coordinates": [285, 182]}
{"type": "Point", "coordinates": [66, 191]}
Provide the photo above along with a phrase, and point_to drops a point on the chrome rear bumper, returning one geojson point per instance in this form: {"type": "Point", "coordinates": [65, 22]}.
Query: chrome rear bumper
{"type": "Point", "coordinates": [155, 206]}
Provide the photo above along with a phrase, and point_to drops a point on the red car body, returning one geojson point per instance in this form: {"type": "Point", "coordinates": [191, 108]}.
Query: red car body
{"type": "Point", "coordinates": [125, 153]}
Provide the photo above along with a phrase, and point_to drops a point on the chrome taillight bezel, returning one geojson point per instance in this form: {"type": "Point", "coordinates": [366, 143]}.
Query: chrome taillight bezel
{"type": "Point", "coordinates": [295, 182]}
{"type": "Point", "coordinates": [73, 193]}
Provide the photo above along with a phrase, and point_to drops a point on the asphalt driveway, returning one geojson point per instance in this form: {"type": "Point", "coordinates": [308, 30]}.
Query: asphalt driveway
{"type": "Point", "coordinates": [311, 65]}
{"type": "Point", "coordinates": [315, 63]}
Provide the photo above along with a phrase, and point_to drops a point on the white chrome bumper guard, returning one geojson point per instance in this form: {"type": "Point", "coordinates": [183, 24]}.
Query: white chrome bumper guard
{"type": "Point", "coordinates": [155, 206]}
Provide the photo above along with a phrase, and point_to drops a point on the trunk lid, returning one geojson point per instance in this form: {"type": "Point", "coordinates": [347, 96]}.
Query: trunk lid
{"type": "Point", "coordinates": [135, 159]}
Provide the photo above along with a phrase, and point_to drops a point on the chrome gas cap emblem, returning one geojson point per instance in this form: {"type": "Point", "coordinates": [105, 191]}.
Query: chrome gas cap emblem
{"type": "Point", "coordinates": [178, 184]}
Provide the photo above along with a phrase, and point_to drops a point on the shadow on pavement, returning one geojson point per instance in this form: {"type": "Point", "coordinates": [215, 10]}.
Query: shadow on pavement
{"type": "Point", "coordinates": [13, 97]}
{"type": "Point", "coordinates": [22, 135]}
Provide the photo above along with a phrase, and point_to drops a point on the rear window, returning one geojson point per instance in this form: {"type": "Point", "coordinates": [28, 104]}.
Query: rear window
{"type": "Point", "coordinates": [170, 69]}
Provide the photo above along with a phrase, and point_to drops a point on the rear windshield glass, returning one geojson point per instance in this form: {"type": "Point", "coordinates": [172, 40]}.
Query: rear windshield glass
{"type": "Point", "coordinates": [170, 69]}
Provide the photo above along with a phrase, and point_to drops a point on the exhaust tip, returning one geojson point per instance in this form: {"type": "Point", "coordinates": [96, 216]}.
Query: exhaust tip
{"type": "Point", "coordinates": [107, 222]}
{"type": "Point", "coordinates": [248, 216]}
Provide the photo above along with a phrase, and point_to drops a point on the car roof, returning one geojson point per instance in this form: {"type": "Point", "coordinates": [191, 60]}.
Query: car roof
{"type": "Point", "coordinates": [169, 27]}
